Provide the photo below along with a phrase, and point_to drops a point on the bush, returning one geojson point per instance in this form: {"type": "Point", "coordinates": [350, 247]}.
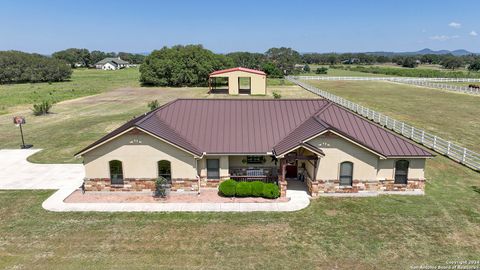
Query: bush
{"type": "Point", "coordinates": [257, 188]}
{"type": "Point", "coordinates": [276, 95]}
{"type": "Point", "coordinates": [228, 188]}
{"type": "Point", "coordinates": [244, 189]}
{"type": "Point", "coordinates": [321, 70]}
{"type": "Point", "coordinates": [153, 105]}
{"type": "Point", "coordinates": [271, 191]}
{"type": "Point", "coordinates": [161, 187]}
{"type": "Point", "coordinates": [42, 108]}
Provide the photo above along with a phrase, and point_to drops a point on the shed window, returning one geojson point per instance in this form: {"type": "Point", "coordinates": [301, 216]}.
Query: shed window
{"type": "Point", "coordinates": [165, 169]}
{"type": "Point", "coordinates": [116, 172]}
{"type": "Point", "coordinates": [401, 171]}
{"type": "Point", "coordinates": [213, 168]}
{"type": "Point", "coordinates": [346, 173]}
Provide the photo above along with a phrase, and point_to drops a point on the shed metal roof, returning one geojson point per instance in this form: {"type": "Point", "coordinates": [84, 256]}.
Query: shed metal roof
{"type": "Point", "coordinates": [254, 71]}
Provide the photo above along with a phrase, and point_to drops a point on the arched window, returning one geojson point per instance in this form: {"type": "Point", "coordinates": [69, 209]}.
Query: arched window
{"type": "Point", "coordinates": [401, 171]}
{"type": "Point", "coordinates": [165, 169]}
{"type": "Point", "coordinates": [116, 172]}
{"type": "Point", "coordinates": [346, 173]}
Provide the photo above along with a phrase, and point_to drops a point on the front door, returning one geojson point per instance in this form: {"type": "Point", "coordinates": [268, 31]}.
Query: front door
{"type": "Point", "coordinates": [291, 171]}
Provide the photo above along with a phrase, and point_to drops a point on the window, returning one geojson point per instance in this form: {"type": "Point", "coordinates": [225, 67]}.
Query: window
{"type": "Point", "coordinates": [346, 173]}
{"type": "Point", "coordinates": [213, 169]}
{"type": "Point", "coordinates": [165, 169]}
{"type": "Point", "coordinates": [116, 172]}
{"type": "Point", "coordinates": [401, 171]}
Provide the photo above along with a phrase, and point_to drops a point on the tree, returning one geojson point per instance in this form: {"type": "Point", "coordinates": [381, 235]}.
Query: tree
{"type": "Point", "coordinates": [272, 70]}
{"type": "Point", "coordinates": [20, 67]}
{"type": "Point", "coordinates": [306, 68]}
{"type": "Point", "coordinates": [247, 59]}
{"type": "Point", "coordinates": [181, 66]}
{"type": "Point", "coordinates": [408, 62]}
{"type": "Point", "coordinates": [452, 62]}
{"type": "Point", "coordinates": [284, 58]}
{"type": "Point", "coordinates": [475, 66]}
{"type": "Point", "coordinates": [75, 57]}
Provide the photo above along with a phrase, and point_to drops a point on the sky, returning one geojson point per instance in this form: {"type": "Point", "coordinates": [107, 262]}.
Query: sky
{"type": "Point", "coordinates": [225, 26]}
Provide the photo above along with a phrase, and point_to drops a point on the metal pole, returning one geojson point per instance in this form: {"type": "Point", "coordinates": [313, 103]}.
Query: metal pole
{"type": "Point", "coordinates": [21, 133]}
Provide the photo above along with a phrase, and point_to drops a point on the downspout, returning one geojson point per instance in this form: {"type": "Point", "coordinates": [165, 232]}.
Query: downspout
{"type": "Point", "coordinates": [197, 175]}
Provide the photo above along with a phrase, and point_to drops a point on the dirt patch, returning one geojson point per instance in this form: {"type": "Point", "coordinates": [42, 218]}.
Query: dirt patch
{"type": "Point", "coordinates": [331, 212]}
{"type": "Point", "coordinates": [206, 196]}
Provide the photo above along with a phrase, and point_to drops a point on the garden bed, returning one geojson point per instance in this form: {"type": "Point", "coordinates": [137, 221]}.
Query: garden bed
{"type": "Point", "coordinates": [206, 196]}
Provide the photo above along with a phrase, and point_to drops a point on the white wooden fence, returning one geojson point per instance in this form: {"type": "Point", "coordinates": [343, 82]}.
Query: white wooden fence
{"type": "Point", "coordinates": [427, 82]}
{"type": "Point", "coordinates": [453, 151]}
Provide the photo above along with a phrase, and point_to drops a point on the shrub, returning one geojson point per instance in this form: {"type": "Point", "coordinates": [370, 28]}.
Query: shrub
{"type": "Point", "coordinates": [276, 95]}
{"type": "Point", "coordinates": [42, 108]}
{"type": "Point", "coordinates": [321, 70]}
{"type": "Point", "coordinates": [271, 191]}
{"type": "Point", "coordinates": [161, 187]}
{"type": "Point", "coordinates": [153, 105]}
{"type": "Point", "coordinates": [244, 189]}
{"type": "Point", "coordinates": [257, 188]}
{"type": "Point", "coordinates": [228, 188]}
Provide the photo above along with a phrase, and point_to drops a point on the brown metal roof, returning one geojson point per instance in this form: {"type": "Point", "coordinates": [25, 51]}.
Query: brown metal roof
{"type": "Point", "coordinates": [247, 126]}
{"type": "Point", "coordinates": [249, 70]}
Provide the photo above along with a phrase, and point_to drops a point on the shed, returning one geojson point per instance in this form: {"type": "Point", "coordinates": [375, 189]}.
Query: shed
{"type": "Point", "coordinates": [238, 80]}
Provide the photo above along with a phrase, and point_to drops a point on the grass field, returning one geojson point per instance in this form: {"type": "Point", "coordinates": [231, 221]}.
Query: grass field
{"type": "Point", "coordinates": [74, 124]}
{"type": "Point", "coordinates": [84, 82]}
{"type": "Point", "coordinates": [387, 232]}
{"type": "Point", "coordinates": [452, 116]}
{"type": "Point", "coordinates": [340, 72]}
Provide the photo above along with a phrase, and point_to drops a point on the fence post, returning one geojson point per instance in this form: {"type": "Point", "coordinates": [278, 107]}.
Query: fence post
{"type": "Point", "coordinates": [464, 155]}
{"type": "Point", "coordinates": [403, 125]}
{"type": "Point", "coordinates": [423, 136]}
{"type": "Point", "coordinates": [448, 148]}
{"type": "Point", "coordinates": [434, 142]}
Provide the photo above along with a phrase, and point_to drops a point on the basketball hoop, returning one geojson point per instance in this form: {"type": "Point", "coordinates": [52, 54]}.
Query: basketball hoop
{"type": "Point", "coordinates": [19, 121]}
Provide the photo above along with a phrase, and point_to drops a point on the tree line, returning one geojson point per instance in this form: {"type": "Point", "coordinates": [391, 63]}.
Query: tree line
{"type": "Point", "coordinates": [20, 67]}
{"type": "Point", "coordinates": [85, 58]}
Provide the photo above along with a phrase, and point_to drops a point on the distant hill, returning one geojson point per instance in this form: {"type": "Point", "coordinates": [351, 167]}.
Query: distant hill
{"type": "Point", "coordinates": [459, 52]}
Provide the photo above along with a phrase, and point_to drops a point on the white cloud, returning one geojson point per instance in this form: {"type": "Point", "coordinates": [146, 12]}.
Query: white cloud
{"type": "Point", "coordinates": [455, 24]}
{"type": "Point", "coordinates": [443, 37]}
{"type": "Point", "coordinates": [473, 33]}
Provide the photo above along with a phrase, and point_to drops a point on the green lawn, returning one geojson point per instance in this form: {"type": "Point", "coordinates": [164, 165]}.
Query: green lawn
{"type": "Point", "coordinates": [451, 115]}
{"type": "Point", "coordinates": [386, 232]}
{"type": "Point", "coordinates": [75, 124]}
{"type": "Point", "coordinates": [341, 72]}
{"type": "Point", "coordinates": [84, 82]}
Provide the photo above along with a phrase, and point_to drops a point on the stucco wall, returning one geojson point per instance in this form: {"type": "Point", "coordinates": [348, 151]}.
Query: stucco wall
{"type": "Point", "coordinates": [258, 82]}
{"type": "Point", "coordinates": [386, 168]}
{"type": "Point", "coordinates": [338, 150]}
{"type": "Point", "coordinates": [139, 154]}
{"type": "Point", "coordinates": [224, 165]}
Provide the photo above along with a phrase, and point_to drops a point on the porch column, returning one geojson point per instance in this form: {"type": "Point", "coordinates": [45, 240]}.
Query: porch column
{"type": "Point", "coordinates": [282, 182]}
{"type": "Point", "coordinates": [314, 185]}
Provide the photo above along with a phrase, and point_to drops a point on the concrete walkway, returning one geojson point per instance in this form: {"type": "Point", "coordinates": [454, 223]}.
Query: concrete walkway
{"type": "Point", "coordinates": [17, 173]}
{"type": "Point", "coordinates": [298, 200]}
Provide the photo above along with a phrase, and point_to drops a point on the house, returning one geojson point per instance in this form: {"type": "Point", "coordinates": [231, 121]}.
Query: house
{"type": "Point", "coordinates": [300, 67]}
{"type": "Point", "coordinates": [111, 63]}
{"type": "Point", "coordinates": [238, 80]}
{"type": "Point", "coordinates": [197, 143]}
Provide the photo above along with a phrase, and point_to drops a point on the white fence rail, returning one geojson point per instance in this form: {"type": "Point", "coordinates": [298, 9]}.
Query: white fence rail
{"type": "Point", "coordinates": [453, 151]}
{"type": "Point", "coordinates": [356, 78]}
{"type": "Point", "coordinates": [427, 82]}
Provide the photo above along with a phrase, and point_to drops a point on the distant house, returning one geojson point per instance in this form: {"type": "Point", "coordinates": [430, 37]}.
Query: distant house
{"type": "Point", "coordinates": [196, 143]}
{"type": "Point", "coordinates": [300, 67]}
{"type": "Point", "coordinates": [111, 63]}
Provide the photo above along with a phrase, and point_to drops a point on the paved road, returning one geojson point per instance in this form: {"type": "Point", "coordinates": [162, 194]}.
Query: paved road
{"type": "Point", "coordinates": [17, 173]}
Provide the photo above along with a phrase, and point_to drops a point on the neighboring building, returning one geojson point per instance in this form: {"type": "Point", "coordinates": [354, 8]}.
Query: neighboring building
{"type": "Point", "coordinates": [300, 67]}
{"type": "Point", "coordinates": [239, 81]}
{"type": "Point", "coordinates": [111, 63]}
{"type": "Point", "coordinates": [197, 143]}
